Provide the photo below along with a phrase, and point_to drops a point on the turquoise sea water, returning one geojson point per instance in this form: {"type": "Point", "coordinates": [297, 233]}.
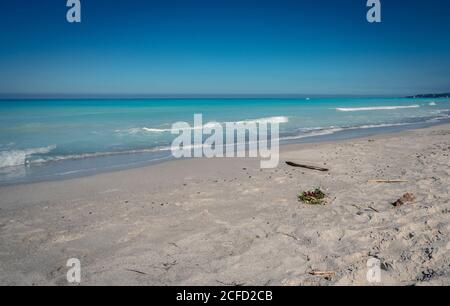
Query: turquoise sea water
{"type": "Point", "coordinates": [52, 139]}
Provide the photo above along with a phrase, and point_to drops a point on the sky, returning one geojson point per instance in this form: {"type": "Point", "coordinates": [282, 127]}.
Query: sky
{"type": "Point", "coordinates": [230, 47]}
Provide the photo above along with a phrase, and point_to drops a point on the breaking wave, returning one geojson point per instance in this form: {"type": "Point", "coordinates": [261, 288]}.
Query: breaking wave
{"type": "Point", "coordinates": [97, 154]}
{"type": "Point", "coordinates": [375, 108]}
{"type": "Point", "coordinates": [279, 119]}
{"type": "Point", "coordinates": [322, 131]}
{"type": "Point", "coordinates": [133, 131]}
{"type": "Point", "coordinates": [14, 158]}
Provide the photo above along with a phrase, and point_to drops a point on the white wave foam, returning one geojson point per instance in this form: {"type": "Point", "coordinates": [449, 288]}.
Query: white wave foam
{"type": "Point", "coordinates": [441, 117]}
{"type": "Point", "coordinates": [373, 126]}
{"type": "Point", "coordinates": [432, 104]}
{"type": "Point", "coordinates": [151, 130]}
{"type": "Point", "coordinates": [279, 120]}
{"type": "Point", "coordinates": [322, 131]}
{"type": "Point", "coordinates": [375, 108]}
{"type": "Point", "coordinates": [20, 157]}
{"type": "Point", "coordinates": [134, 131]}
{"type": "Point", "coordinates": [315, 132]}
{"type": "Point", "coordinates": [97, 154]}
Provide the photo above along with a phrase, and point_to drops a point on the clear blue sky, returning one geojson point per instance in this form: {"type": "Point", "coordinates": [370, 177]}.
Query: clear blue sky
{"type": "Point", "coordinates": [138, 47]}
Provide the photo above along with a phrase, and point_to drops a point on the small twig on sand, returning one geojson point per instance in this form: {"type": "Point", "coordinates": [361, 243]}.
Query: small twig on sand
{"type": "Point", "coordinates": [373, 209]}
{"type": "Point", "coordinates": [369, 207]}
{"type": "Point", "coordinates": [292, 164]}
{"type": "Point", "coordinates": [323, 273]}
{"type": "Point", "coordinates": [388, 181]}
{"type": "Point", "coordinates": [235, 284]}
{"type": "Point", "coordinates": [289, 235]}
{"type": "Point", "coordinates": [136, 271]}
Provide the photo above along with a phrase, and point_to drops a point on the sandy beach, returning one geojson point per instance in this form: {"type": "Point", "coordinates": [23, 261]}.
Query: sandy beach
{"type": "Point", "coordinates": [227, 222]}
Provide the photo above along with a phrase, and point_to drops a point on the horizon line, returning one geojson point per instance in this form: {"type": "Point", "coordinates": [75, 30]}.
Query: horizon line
{"type": "Point", "coordinates": [49, 96]}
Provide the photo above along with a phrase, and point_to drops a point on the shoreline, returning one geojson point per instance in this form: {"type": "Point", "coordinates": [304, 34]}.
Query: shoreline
{"type": "Point", "coordinates": [225, 221]}
{"type": "Point", "coordinates": [340, 136]}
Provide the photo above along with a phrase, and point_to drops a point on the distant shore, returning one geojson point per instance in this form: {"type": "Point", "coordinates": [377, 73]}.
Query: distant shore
{"type": "Point", "coordinates": [226, 221]}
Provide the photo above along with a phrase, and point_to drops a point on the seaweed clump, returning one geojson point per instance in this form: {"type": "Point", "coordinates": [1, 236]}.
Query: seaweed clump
{"type": "Point", "coordinates": [314, 197]}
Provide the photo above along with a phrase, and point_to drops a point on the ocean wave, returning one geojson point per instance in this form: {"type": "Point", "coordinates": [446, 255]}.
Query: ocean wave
{"type": "Point", "coordinates": [96, 154]}
{"type": "Point", "coordinates": [14, 158]}
{"type": "Point", "coordinates": [155, 130]}
{"type": "Point", "coordinates": [314, 132]}
{"type": "Point", "coordinates": [439, 118]}
{"type": "Point", "coordinates": [151, 130]}
{"type": "Point", "coordinates": [134, 131]}
{"type": "Point", "coordinates": [323, 131]}
{"type": "Point", "coordinates": [210, 125]}
{"type": "Point", "coordinates": [277, 119]}
{"type": "Point", "coordinates": [375, 108]}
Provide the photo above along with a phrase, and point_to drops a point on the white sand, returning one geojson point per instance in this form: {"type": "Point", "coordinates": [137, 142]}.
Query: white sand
{"type": "Point", "coordinates": [213, 222]}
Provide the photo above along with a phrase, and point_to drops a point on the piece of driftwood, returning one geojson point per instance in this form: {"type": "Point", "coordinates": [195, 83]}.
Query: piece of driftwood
{"type": "Point", "coordinates": [322, 273]}
{"type": "Point", "coordinates": [136, 271]}
{"type": "Point", "coordinates": [292, 164]}
{"type": "Point", "coordinates": [388, 181]}
{"type": "Point", "coordinates": [375, 210]}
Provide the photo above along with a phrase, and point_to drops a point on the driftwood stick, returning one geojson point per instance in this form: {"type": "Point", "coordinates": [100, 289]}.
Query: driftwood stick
{"type": "Point", "coordinates": [388, 181]}
{"type": "Point", "coordinates": [322, 273]}
{"type": "Point", "coordinates": [292, 164]}
{"type": "Point", "coordinates": [136, 271]}
{"type": "Point", "coordinates": [375, 210]}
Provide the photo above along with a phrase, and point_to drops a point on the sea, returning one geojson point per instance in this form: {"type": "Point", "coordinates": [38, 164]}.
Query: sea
{"type": "Point", "coordinates": [54, 139]}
